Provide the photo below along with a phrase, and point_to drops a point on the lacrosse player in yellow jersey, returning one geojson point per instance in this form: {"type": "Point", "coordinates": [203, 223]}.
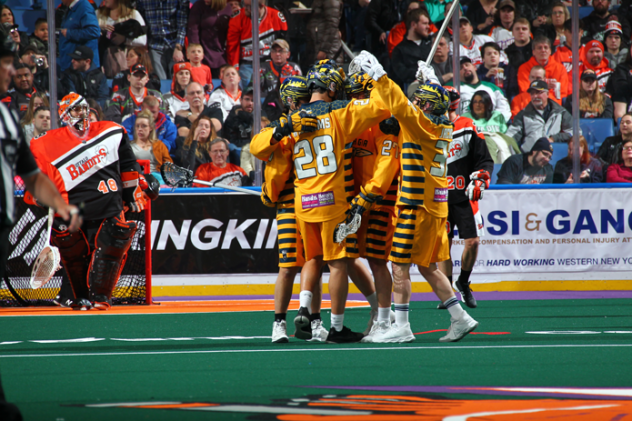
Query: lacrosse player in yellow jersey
{"type": "Point", "coordinates": [278, 191]}
{"type": "Point", "coordinates": [375, 168]}
{"type": "Point", "coordinates": [324, 187]}
{"type": "Point", "coordinates": [420, 233]}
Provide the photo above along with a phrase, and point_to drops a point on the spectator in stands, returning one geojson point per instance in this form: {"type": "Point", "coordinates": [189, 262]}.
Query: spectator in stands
{"type": "Point", "coordinates": [520, 51]}
{"type": "Point", "coordinates": [12, 30]}
{"type": "Point", "coordinates": [492, 70]}
{"type": "Point", "coordinates": [95, 111]}
{"type": "Point", "coordinates": [381, 16]}
{"type": "Point", "coordinates": [22, 90]}
{"type": "Point", "coordinates": [414, 48]}
{"type": "Point", "coordinates": [616, 53]}
{"type": "Point", "coordinates": [8, 20]}
{"type": "Point", "coordinates": [136, 55]}
{"type": "Point", "coordinates": [41, 121]}
{"type": "Point", "coordinates": [37, 100]}
{"type": "Point", "coordinates": [621, 170]}
{"type": "Point", "coordinates": [591, 170]}
{"type": "Point", "coordinates": [79, 28]}
{"type": "Point", "coordinates": [529, 168]}
{"type": "Point", "coordinates": [564, 52]}
{"type": "Point", "coordinates": [122, 27]}
{"type": "Point", "coordinates": [239, 39]}
{"type": "Point", "coordinates": [219, 171]}
{"type": "Point", "coordinates": [595, 23]}
{"type": "Point", "coordinates": [200, 73]}
{"type": "Point", "coordinates": [471, 44]}
{"type": "Point", "coordinates": [323, 35]}
{"type": "Point", "coordinates": [175, 99]}
{"type": "Point", "coordinates": [195, 97]}
{"type": "Point", "coordinates": [194, 149]}
{"type": "Point", "coordinates": [238, 125]}
{"type": "Point", "coordinates": [146, 144]}
{"type": "Point", "coordinates": [470, 84]}
{"type": "Point", "coordinates": [228, 94]}
{"type": "Point", "coordinates": [523, 99]}
{"type": "Point", "coordinates": [278, 68]}
{"type": "Point", "coordinates": [37, 61]}
{"type": "Point", "coordinates": [592, 102]}
{"type": "Point", "coordinates": [481, 14]}
{"type": "Point", "coordinates": [608, 150]}
{"type": "Point", "coordinates": [504, 19]}
{"type": "Point", "coordinates": [553, 29]}
{"type": "Point", "coordinates": [39, 38]}
{"type": "Point", "coordinates": [128, 101]}
{"type": "Point", "coordinates": [592, 58]}
{"type": "Point", "coordinates": [167, 27]}
{"type": "Point", "coordinates": [486, 119]}
{"type": "Point", "coordinates": [164, 129]}
{"type": "Point", "coordinates": [399, 31]}
{"type": "Point", "coordinates": [84, 78]}
{"type": "Point", "coordinates": [248, 160]}
{"type": "Point", "coordinates": [535, 11]}
{"type": "Point", "coordinates": [437, 10]}
{"type": "Point", "coordinates": [442, 60]}
{"type": "Point", "coordinates": [208, 26]}
{"type": "Point", "coordinates": [555, 71]}
{"type": "Point", "coordinates": [541, 118]}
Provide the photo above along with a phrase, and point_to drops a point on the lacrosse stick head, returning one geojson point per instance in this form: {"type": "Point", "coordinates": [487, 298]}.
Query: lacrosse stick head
{"type": "Point", "coordinates": [46, 264]}
{"type": "Point", "coordinates": [347, 227]}
{"type": "Point", "coordinates": [175, 176]}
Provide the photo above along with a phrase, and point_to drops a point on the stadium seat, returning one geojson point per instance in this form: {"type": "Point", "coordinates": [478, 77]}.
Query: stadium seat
{"type": "Point", "coordinates": [495, 173]}
{"type": "Point", "coordinates": [583, 11]}
{"type": "Point", "coordinates": [596, 130]}
{"type": "Point", "coordinates": [216, 83]}
{"type": "Point", "coordinates": [560, 150]}
{"type": "Point", "coordinates": [165, 86]}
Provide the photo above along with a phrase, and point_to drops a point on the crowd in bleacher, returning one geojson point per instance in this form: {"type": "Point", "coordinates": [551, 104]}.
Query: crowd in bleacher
{"type": "Point", "coordinates": [179, 75]}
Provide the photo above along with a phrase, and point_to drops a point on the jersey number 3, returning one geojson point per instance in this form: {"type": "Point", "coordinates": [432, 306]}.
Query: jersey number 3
{"type": "Point", "coordinates": [323, 152]}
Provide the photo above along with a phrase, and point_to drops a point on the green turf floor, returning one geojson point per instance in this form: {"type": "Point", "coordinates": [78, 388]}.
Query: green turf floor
{"type": "Point", "coordinates": [51, 381]}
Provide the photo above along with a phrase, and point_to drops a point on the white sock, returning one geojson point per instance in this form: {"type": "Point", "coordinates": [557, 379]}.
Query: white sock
{"type": "Point", "coordinates": [372, 299]}
{"type": "Point", "coordinates": [454, 307]}
{"type": "Point", "coordinates": [337, 321]}
{"type": "Point", "coordinates": [401, 314]}
{"type": "Point", "coordinates": [305, 299]}
{"type": "Point", "coordinates": [383, 314]}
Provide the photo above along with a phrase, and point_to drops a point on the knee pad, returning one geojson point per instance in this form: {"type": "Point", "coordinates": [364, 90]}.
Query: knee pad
{"type": "Point", "coordinates": [75, 256]}
{"type": "Point", "coordinates": [112, 243]}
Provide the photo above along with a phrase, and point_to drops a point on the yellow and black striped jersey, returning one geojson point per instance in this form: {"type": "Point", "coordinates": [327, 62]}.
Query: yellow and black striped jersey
{"type": "Point", "coordinates": [424, 141]}
{"type": "Point", "coordinates": [376, 161]}
{"type": "Point", "coordinates": [322, 159]}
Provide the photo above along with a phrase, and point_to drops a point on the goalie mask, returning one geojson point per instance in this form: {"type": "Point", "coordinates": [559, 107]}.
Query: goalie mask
{"type": "Point", "coordinates": [75, 104]}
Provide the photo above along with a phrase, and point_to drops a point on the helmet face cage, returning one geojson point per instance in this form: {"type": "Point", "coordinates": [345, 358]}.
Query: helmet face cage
{"type": "Point", "coordinates": [434, 95]}
{"type": "Point", "coordinates": [72, 102]}
{"type": "Point", "coordinates": [358, 83]}
{"type": "Point", "coordinates": [455, 97]}
{"type": "Point", "coordinates": [293, 89]}
{"type": "Point", "coordinates": [326, 77]}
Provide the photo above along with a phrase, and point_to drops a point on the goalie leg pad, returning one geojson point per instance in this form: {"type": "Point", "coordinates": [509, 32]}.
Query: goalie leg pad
{"type": "Point", "coordinates": [112, 243]}
{"type": "Point", "coordinates": [75, 252]}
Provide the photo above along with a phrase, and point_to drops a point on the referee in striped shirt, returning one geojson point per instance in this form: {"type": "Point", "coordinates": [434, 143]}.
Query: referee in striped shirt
{"type": "Point", "coordinates": [16, 158]}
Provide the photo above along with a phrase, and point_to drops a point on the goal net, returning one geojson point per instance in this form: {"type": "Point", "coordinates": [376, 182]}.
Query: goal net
{"type": "Point", "coordinates": [28, 238]}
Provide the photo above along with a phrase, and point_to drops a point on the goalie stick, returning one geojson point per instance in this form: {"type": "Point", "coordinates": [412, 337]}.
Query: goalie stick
{"type": "Point", "coordinates": [47, 263]}
{"type": "Point", "coordinates": [176, 176]}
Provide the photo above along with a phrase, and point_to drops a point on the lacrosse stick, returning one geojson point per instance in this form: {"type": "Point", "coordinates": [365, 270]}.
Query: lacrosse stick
{"type": "Point", "coordinates": [446, 21]}
{"type": "Point", "coordinates": [176, 176]}
{"type": "Point", "coordinates": [47, 263]}
{"type": "Point", "coordinates": [349, 226]}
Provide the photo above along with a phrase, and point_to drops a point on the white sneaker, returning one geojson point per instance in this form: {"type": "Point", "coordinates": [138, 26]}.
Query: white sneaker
{"type": "Point", "coordinates": [459, 328]}
{"type": "Point", "coordinates": [378, 328]}
{"type": "Point", "coordinates": [319, 333]}
{"type": "Point", "coordinates": [372, 320]}
{"type": "Point", "coordinates": [279, 332]}
{"type": "Point", "coordinates": [395, 334]}
{"type": "Point", "coordinates": [392, 317]}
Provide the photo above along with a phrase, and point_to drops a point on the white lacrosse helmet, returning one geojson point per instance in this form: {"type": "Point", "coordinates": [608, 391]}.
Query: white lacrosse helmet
{"type": "Point", "coordinates": [70, 102]}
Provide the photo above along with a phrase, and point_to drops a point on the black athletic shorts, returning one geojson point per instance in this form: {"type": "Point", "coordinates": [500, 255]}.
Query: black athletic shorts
{"type": "Point", "coordinates": [461, 215]}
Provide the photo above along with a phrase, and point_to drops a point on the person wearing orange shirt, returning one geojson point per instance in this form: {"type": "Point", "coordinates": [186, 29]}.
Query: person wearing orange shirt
{"type": "Point", "coordinates": [399, 31]}
{"type": "Point", "coordinates": [555, 71]}
{"type": "Point", "coordinates": [564, 52]}
{"type": "Point", "coordinates": [592, 58]}
{"type": "Point", "coordinates": [200, 73]}
{"type": "Point", "coordinates": [219, 171]}
{"type": "Point", "coordinates": [523, 99]}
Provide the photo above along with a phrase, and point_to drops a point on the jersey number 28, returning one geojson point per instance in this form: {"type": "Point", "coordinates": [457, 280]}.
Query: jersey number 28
{"type": "Point", "coordinates": [323, 152]}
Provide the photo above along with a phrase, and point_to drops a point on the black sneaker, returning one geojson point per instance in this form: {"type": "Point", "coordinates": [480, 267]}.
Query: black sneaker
{"type": "Point", "coordinates": [441, 306]}
{"type": "Point", "coordinates": [466, 293]}
{"type": "Point", "coordinates": [81, 304]}
{"type": "Point", "coordinates": [303, 324]}
{"type": "Point", "coordinates": [345, 336]}
{"type": "Point", "coordinates": [63, 301]}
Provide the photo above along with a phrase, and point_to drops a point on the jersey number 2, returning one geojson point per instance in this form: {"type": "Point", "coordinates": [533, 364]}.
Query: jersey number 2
{"type": "Point", "coordinates": [323, 152]}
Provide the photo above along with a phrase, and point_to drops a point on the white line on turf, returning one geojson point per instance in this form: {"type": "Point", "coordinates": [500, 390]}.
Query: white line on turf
{"type": "Point", "coordinates": [243, 351]}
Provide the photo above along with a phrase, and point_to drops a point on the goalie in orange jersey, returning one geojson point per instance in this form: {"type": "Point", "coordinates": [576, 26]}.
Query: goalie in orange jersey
{"type": "Point", "coordinates": [92, 164]}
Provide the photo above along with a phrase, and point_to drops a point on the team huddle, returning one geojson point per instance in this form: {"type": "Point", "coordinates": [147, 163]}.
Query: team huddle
{"type": "Point", "coordinates": [368, 177]}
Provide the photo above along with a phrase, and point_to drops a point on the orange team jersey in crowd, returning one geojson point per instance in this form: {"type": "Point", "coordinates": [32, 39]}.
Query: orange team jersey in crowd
{"type": "Point", "coordinates": [239, 37]}
{"type": "Point", "coordinates": [554, 70]}
{"type": "Point", "coordinates": [602, 70]}
{"type": "Point", "coordinates": [423, 144]}
{"type": "Point", "coordinates": [398, 33]}
{"type": "Point", "coordinates": [322, 159]}
{"type": "Point", "coordinates": [87, 172]}
{"type": "Point", "coordinates": [564, 55]}
{"type": "Point", "coordinates": [230, 175]}
{"type": "Point", "coordinates": [523, 99]}
{"type": "Point", "coordinates": [202, 75]}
